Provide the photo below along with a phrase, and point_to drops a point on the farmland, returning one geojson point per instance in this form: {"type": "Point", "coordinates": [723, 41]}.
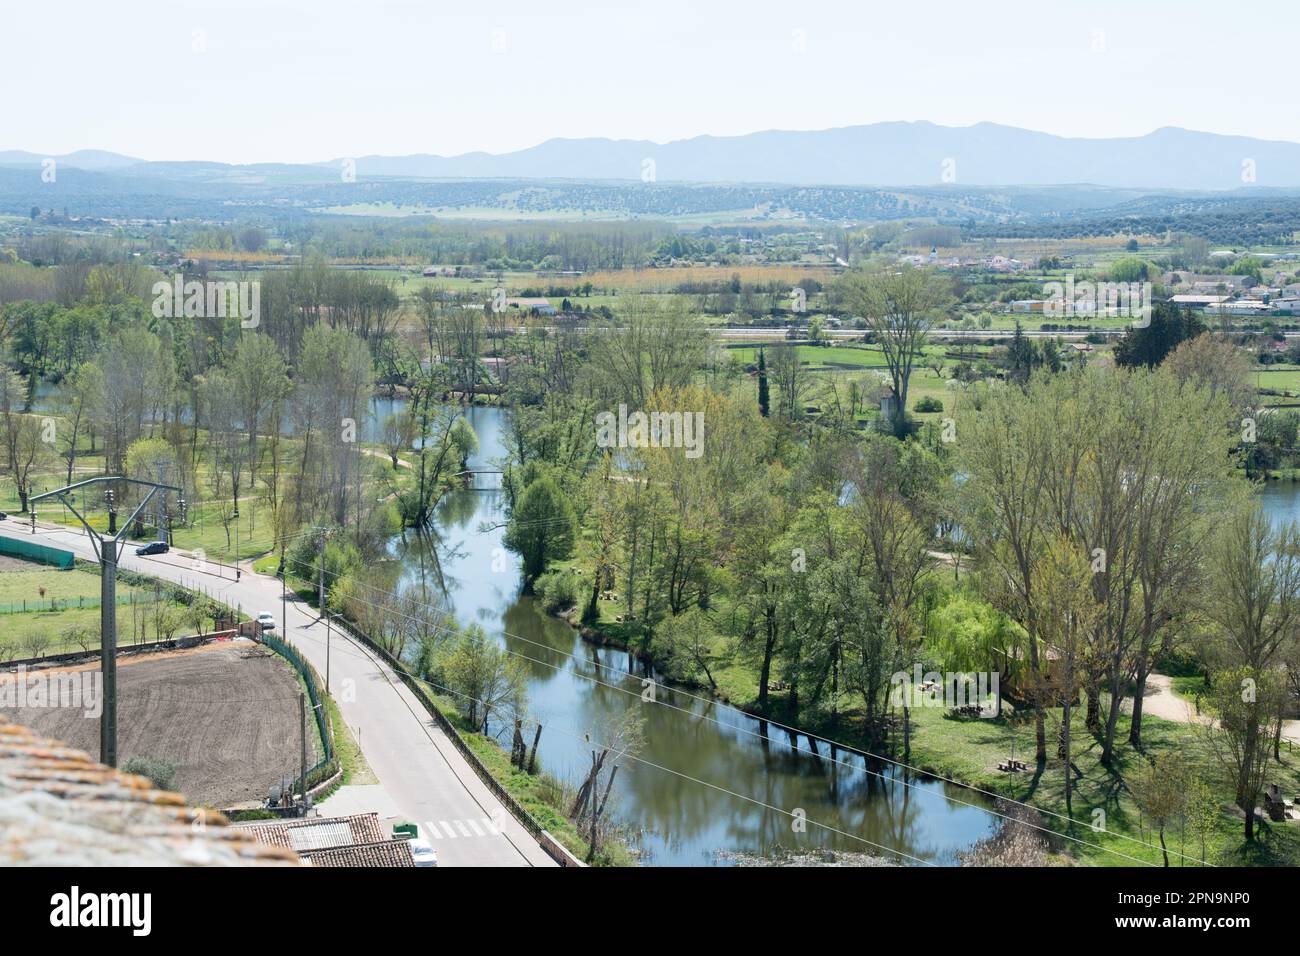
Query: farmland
{"type": "Point", "coordinates": [225, 715]}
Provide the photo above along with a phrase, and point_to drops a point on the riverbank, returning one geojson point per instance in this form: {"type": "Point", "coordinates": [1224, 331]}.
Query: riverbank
{"type": "Point", "coordinates": [540, 794]}
{"type": "Point", "coordinates": [967, 752]}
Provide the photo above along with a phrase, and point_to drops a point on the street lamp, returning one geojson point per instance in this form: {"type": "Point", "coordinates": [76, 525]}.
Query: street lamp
{"type": "Point", "coordinates": [236, 541]}
{"type": "Point", "coordinates": [108, 549]}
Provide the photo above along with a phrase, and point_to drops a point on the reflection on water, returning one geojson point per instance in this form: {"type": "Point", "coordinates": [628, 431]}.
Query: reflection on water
{"type": "Point", "coordinates": [741, 763]}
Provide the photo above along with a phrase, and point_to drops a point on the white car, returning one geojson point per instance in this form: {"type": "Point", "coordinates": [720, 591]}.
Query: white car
{"type": "Point", "coordinates": [266, 620]}
{"type": "Point", "coordinates": [424, 854]}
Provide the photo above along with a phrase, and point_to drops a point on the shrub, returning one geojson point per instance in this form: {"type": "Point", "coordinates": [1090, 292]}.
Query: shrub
{"type": "Point", "coordinates": [928, 403]}
{"type": "Point", "coordinates": [159, 772]}
{"type": "Point", "coordinates": [560, 590]}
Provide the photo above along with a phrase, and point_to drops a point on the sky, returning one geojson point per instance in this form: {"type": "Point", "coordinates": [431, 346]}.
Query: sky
{"type": "Point", "coordinates": [311, 80]}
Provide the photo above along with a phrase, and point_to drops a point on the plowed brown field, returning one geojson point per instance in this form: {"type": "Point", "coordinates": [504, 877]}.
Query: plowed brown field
{"type": "Point", "coordinates": [226, 715]}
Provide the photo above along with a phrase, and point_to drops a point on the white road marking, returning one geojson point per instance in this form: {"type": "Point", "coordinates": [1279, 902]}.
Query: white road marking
{"type": "Point", "coordinates": [483, 827]}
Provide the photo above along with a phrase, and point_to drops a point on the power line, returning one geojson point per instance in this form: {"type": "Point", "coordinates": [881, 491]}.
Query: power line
{"type": "Point", "coordinates": [446, 610]}
{"type": "Point", "coordinates": [795, 744]}
{"type": "Point", "coordinates": [676, 773]}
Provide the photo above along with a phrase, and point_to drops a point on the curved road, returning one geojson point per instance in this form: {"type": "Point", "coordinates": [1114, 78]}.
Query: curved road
{"type": "Point", "coordinates": [417, 765]}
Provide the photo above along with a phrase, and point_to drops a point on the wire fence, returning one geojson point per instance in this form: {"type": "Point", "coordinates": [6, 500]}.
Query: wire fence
{"type": "Point", "coordinates": [326, 766]}
{"type": "Point", "coordinates": [46, 605]}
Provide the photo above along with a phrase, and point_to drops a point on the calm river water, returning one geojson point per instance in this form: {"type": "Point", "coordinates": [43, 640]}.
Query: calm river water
{"type": "Point", "coordinates": [707, 777]}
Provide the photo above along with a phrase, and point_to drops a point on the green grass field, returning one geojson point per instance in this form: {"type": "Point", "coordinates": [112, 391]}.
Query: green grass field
{"type": "Point", "coordinates": [135, 624]}
{"type": "Point", "coordinates": [38, 584]}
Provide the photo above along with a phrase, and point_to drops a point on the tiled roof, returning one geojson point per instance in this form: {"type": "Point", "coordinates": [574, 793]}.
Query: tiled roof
{"type": "Point", "coordinates": [59, 807]}
{"type": "Point", "coordinates": [388, 853]}
{"type": "Point", "coordinates": [317, 832]}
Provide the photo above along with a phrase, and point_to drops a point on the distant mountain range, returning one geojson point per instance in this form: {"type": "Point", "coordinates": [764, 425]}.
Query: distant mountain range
{"type": "Point", "coordinates": [96, 159]}
{"type": "Point", "coordinates": [880, 154]}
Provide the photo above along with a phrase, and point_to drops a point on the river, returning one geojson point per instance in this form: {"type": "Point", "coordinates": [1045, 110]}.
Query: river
{"type": "Point", "coordinates": [709, 778]}
{"type": "Point", "coordinates": [706, 779]}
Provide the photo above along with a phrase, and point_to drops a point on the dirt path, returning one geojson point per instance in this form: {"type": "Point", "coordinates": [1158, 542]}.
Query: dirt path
{"type": "Point", "coordinates": [1161, 701]}
{"type": "Point", "coordinates": [401, 462]}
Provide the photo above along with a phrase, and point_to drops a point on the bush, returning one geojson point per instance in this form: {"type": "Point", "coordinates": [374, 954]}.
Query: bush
{"type": "Point", "coordinates": [560, 590]}
{"type": "Point", "coordinates": [159, 772]}
{"type": "Point", "coordinates": [928, 404]}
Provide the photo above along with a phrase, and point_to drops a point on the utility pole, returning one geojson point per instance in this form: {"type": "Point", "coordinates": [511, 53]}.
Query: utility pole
{"type": "Point", "coordinates": [320, 577]}
{"type": "Point", "coordinates": [302, 733]}
{"type": "Point", "coordinates": [236, 540]}
{"type": "Point", "coordinates": [108, 550]}
{"type": "Point", "coordinates": [327, 655]}
{"type": "Point", "coordinates": [595, 778]}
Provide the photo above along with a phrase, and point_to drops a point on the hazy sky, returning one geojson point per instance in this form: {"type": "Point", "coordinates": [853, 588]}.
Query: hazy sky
{"type": "Point", "coordinates": [245, 81]}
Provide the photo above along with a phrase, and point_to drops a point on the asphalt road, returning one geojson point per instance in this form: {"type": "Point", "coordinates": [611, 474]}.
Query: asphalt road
{"type": "Point", "coordinates": [417, 765]}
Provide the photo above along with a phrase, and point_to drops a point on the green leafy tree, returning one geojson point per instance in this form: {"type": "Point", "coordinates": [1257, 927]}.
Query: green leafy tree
{"type": "Point", "coordinates": [487, 680]}
{"type": "Point", "coordinates": [1160, 790]}
{"type": "Point", "coordinates": [542, 527]}
{"type": "Point", "coordinates": [1148, 345]}
{"type": "Point", "coordinates": [900, 306]}
{"type": "Point", "coordinates": [1202, 810]}
{"type": "Point", "coordinates": [1248, 704]}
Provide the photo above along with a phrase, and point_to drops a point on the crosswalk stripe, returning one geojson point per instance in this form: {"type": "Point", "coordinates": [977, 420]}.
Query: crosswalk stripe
{"type": "Point", "coordinates": [483, 826]}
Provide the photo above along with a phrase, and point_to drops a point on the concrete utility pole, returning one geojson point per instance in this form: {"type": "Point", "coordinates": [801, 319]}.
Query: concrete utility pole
{"type": "Point", "coordinates": [108, 549]}
{"type": "Point", "coordinates": [320, 577]}
{"type": "Point", "coordinates": [302, 733]}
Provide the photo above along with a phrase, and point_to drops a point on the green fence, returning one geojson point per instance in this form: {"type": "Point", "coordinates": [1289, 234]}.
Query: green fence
{"type": "Point", "coordinates": [326, 765]}
{"type": "Point", "coordinates": [49, 604]}
{"type": "Point", "coordinates": [30, 550]}
{"type": "Point", "coordinates": [46, 605]}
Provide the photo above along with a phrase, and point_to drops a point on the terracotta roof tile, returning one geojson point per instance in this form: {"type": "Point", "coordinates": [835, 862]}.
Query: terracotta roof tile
{"type": "Point", "coordinates": [59, 807]}
{"type": "Point", "coordinates": [296, 833]}
{"type": "Point", "coordinates": [389, 853]}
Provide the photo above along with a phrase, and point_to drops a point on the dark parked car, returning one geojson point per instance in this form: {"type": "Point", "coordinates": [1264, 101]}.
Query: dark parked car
{"type": "Point", "coordinates": [153, 547]}
{"type": "Point", "coordinates": [3, 516]}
